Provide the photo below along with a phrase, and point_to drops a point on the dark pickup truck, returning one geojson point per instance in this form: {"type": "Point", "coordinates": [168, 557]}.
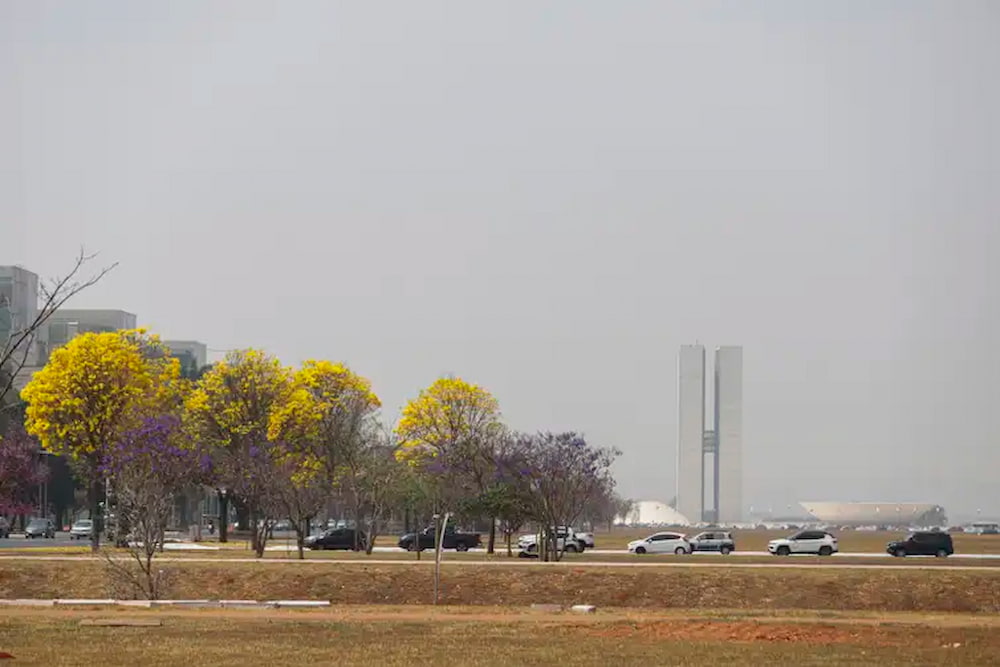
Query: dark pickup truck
{"type": "Point", "coordinates": [452, 540]}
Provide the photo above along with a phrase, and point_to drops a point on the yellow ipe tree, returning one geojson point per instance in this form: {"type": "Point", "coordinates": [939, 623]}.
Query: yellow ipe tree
{"type": "Point", "coordinates": [450, 433]}
{"type": "Point", "coordinates": [229, 411]}
{"type": "Point", "coordinates": [93, 390]}
{"type": "Point", "coordinates": [327, 425]}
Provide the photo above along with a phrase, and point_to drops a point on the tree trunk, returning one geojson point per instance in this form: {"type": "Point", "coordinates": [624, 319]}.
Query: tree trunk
{"type": "Point", "coordinates": [493, 535]}
{"type": "Point", "coordinates": [223, 517]}
{"type": "Point", "coordinates": [94, 493]}
{"type": "Point", "coordinates": [300, 541]}
{"type": "Point", "coordinates": [510, 552]}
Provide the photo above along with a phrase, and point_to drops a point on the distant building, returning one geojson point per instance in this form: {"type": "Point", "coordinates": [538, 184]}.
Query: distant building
{"type": "Point", "coordinates": [66, 324]}
{"type": "Point", "coordinates": [653, 513]}
{"type": "Point", "coordinates": [877, 514]}
{"type": "Point", "coordinates": [192, 354]}
{"type": "Point", "coordinates": [710, 461]}
{"type": "Point", "coordinates": [18, 309]}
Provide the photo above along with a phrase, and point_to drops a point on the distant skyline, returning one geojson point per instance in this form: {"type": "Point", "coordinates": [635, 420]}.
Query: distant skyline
{"type": "Point", "coordinates": [548, 200]}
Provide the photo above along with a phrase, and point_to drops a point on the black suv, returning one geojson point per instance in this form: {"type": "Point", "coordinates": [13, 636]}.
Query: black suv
{"type": "Point", "coordinates": [922, 544]}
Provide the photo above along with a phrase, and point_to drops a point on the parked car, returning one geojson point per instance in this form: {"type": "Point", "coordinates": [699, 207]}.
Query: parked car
{"type": "Point", "coordinates": [452, 539]}
{"type": "Point", "coordinates": [587, 539]}
{"type": "Point", "coordinates": [40, 528]}
{"type": "Point", "coordinates": [567, 541]}
{"type": "Point", "coordinates": [817, 542]}
{"type": "Point", "coordinates": [661, 543]}
{"type": "Point", "coordinates": [82, 529]}
{"type": "Point", "coordinates": [4, 528]}
{"type": "Point", "coordinates": [338, 538]}
{"type": "Point", "coordinates": [714, 541]}
{"type": "Point", "coordinates": [922, 543]}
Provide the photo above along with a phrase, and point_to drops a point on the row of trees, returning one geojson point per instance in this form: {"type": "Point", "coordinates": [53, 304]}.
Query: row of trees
{"type": "Point", "coordinates": [280, 442]}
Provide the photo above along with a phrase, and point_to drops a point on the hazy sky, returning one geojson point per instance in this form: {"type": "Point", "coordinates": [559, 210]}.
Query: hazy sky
{"type": "Point", "coordinates": [549, 198]}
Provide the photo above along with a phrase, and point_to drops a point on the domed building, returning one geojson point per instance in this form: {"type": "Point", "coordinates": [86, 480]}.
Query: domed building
{"type": "Point", "coordinates": [653, 513]}
{"type": "Point", "coordinates": [877, 514]}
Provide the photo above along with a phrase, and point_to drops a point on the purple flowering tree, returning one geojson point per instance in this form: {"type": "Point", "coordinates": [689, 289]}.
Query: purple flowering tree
{"type": "Point", "coordinates": [21, 472]}
{"type": "Point", "coordinates": [147, 469]}
{"type": "Point", "coordinates": [562, 474]}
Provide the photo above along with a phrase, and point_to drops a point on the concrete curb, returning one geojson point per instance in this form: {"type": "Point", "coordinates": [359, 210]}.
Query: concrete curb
{"type": "Point", "coordinates": [190, 604]}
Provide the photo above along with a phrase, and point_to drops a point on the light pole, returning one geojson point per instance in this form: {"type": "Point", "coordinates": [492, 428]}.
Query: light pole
{"type": "Point", "coordinates": [439, 541]}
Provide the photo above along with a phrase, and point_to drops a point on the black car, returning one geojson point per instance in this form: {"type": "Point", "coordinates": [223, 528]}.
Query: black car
{"type": "Point", "coordinates": [452, 539]}
{"type": "Point", "coordinates": [930, 543]}
{"type": "Point", "coordinates": [338, 538]}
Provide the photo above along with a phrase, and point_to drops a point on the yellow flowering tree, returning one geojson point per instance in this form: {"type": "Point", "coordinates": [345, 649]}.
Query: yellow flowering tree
{"type": "Point", "coordinates": [92, 391]}
{"type": "Point", "coordinates": [326, 424]}
{"type": "Point", "coordinates": [229, 412]}
{"type": "Point", "coordinates": [450, 433]}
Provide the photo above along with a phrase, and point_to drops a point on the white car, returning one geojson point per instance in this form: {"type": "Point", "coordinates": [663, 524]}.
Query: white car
{"type": "Point", "coordinates": [566, 541]}
{"type": "Point", "coordinates": [81, 530]}
{"type": "Point", "coordinates": [661, 543]}
{"type": "Point", "coordinates": [587, 539]}
{"type": "Point", "coordinates": [817, 542]}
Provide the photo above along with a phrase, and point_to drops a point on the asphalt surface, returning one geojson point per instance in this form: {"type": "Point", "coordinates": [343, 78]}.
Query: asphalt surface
{"type": "Point", "coordinates": [779, 563]}
{"type": "Point", "coordinates": [18, 541]}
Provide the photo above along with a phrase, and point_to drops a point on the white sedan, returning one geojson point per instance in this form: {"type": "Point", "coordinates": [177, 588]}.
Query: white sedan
{"type": "Point", "coordinates": [661, 543]}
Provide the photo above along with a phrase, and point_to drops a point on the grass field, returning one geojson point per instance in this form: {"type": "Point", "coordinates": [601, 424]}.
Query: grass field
{"type": "Point", "coordinates": [895, 589]}
{"type": "Point", "coordinates": [494, 636]}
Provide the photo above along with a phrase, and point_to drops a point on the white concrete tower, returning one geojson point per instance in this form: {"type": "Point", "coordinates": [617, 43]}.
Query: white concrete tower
{"type": "Point", "coordinates": [729, 433]}
{"type": "Point", "coordinates": [690, 431]}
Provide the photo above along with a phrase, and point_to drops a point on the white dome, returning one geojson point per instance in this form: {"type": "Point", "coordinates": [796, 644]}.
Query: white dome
{"type": "Point", "coordinates": [654, 513]}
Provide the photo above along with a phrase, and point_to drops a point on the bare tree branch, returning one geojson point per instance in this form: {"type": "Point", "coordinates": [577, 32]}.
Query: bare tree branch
{"type": "Point", "coordinates": [53, 295]}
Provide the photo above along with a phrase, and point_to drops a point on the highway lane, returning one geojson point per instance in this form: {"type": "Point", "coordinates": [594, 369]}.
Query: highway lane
{"type": "Point", "coordinates": [779, 563]}
{"type": "Point", "coordinates": [21, 542]}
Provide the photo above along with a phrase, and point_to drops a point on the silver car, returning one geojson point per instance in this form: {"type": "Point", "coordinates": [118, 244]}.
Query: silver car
{"type": "Point", "coordinates": [40, 528]}
{"type": "Point", "coordinates": [82, 530]}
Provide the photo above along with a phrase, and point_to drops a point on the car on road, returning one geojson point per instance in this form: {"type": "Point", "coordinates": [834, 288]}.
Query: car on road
{"type": "Point", "coordinates": [82, 529]}
{"type": "Point", "coordinates": [4, 528]}
{"type": "Point", "coordinates": [452, 539]}
{"type": "Point", "coordinates": [40, 528]}
{"type": "Point", "coordinates": [338, 538]}
{"type": "Point", "coordinates": [714, 540]}
{"type": "Point", "coordinates": [922, 543]}
{"type": "Point", "coordinates": [661, 543]}
{"type": "Point", "coordinates": [587, 539]}
{"type": "Point", "coordinates": [818, 542]}
{"type": "Point", "coordinates": [567, 541]}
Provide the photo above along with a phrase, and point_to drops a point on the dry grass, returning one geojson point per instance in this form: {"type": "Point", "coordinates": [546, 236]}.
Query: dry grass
{"type": "Point", "coordinates": [896, 589]}
{"type": "Point", "coordinates": [392, 637]}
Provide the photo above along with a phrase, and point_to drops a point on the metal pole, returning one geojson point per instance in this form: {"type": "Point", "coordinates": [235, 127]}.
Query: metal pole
{"type": "Point", "coordinates": [437, 556]}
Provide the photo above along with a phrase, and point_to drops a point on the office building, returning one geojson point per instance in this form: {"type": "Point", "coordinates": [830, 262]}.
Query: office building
{"type": "Point", "coordinates": [18, 309]}
{"type": "Point", "coordinates": [192, 354]}
{"type": "Point", "coordinates": [67, 323]}
{"type": "Point", "coordinates": [710, 460]}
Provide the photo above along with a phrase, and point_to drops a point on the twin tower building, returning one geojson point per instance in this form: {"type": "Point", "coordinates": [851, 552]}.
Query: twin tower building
{"type": "Point", "coordinates": [710, 459]}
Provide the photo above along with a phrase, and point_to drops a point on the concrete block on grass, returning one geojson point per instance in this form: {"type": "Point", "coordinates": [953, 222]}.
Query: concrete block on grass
{"type": "Point", "coordinates": [145, 604]}
{"type": "Point", "coordinates": [541, 606]}
{"type": "Point", "coordinates": [298, 604]}
{"type": "Point", "coordinates": [583, 608]}
{"type": "Point", "coordinates": [83, 602]}
{"type": "Point", "coordinates": [27, 603]}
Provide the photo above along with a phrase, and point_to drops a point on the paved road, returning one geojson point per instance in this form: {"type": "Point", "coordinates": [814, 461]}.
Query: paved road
{"type": "Point", "coordinates": [18, 541]}
{"type": "Point", "coordinates": [779, 563]}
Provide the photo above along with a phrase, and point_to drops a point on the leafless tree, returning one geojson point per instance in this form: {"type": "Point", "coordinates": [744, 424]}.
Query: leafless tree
{"type": "Point", "coordinates": [53, 294]}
